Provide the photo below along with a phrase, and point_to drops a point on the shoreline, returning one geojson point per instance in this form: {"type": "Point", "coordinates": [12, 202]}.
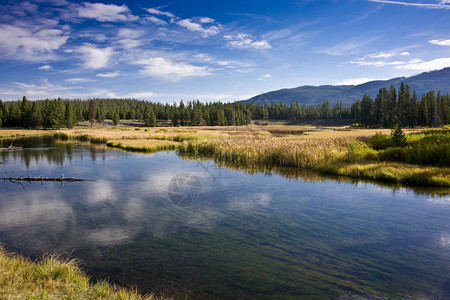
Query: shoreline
{"type": "Point", "coordinates": [335, 151]}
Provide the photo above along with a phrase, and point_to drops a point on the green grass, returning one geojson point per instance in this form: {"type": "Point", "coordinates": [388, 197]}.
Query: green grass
{"type": "Point", "coordinates": [53, 277]}
{"type": "Point", "coordinates": [147, 146]}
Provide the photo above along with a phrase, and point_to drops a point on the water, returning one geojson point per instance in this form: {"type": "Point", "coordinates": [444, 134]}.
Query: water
{"type": "Point", "coordinates": [188, 228]}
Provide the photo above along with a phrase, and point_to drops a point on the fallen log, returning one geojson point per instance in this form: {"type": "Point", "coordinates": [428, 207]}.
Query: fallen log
{"type": "Point", "coordinates": [42, 178]}
{"type": "Point", "coordinates": [11, 148]}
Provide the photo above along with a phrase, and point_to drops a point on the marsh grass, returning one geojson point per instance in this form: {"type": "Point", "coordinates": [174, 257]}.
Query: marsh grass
{"type": "Point", "coordinates": [425, 160]}
{"type": "Point", "coordinates": [143, 145]}
{"type": "Point", "coordinates": [53, 277]}
{"type": "Point", "coordinates": [412, 165]}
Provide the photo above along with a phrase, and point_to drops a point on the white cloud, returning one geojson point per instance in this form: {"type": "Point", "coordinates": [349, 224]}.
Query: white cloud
{"type": "Point", "coordinates": [168, 69]}
{"type": "Point", "coordinates": [245, 41]}
{"type": "Point", "coordinates": [78, 80]}
{"type": "Point", "coordinates": [130, 33]}
{"type": "Point", "coordinates": [130, 38]}
{"type": "Point", "coordinates": [265, 77]}
{"type": "Point", "coordinates": [110, 74]}
{"type": "Point", "coordinates": [377, 63]}
{"type": "Point", "coordinates": [406, 53]}
{"type": "Point", "coordinates": [435, 64]}
{"type": "Point", "coordinates": [24, 43]}
{"type": "Point", "coordinates": [158, 12]}
{"type": "Point", "coordinates": [95, 58]}
{"type": "Point", "coordinates": [105, 12]}
{"type": "Point", "coordinates": [440, 42]}
{"type": "Point", "coordinates": [196, 27]}
{"type": "Point", "coordinates": [206, 20]}
{"type": "Point", "coordinates": [156, 20]}
{"type": "Point", "coordinates": [45, 67]}
{"type": "Point", "coordinates": [441, 5]}
{"type": "Point", "coordinates": [142, 95]}
{"type": "Point", "coordinates": [382, 55]}
{"type": "Point", "coordinates": [41, 90]}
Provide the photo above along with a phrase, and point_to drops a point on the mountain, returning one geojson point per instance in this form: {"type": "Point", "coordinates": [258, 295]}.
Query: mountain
{"type": "Point", "coordinates": [311, 95]}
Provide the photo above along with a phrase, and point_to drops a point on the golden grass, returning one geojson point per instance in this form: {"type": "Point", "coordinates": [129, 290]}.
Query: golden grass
{"type": "Point", "coordinates": [53, 278]}
{"type": "Point", "coordinates": [143, 145]}
{"type": "Point", "coordinates": [327, 150]}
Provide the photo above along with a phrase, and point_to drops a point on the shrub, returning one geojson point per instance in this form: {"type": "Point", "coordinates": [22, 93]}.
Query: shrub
{"type": "Point", "coordinates": [380, 141]}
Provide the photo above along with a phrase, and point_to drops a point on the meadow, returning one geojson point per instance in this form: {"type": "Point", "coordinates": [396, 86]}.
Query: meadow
{"type": "Point", "coordinates": [358, 153]}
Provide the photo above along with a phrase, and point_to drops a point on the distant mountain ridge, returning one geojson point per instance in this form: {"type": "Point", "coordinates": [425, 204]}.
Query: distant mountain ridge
{"type": "Point", "coordinates": [347, 94]}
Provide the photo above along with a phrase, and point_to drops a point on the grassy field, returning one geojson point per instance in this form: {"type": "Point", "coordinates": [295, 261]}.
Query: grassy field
{"type": "Point", "coordinates": [333, 150]}
{"type": "Point", "coordinates": [53, 278]}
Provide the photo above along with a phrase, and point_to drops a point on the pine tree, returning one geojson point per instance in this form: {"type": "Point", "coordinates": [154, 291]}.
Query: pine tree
{"type": "Point", "coordinates": [25, 109]}
{"type": "Point", "coordinates": [116, 118]}
{"type": "Point", "coordinates": [35, 116]}
{"type": "Point", "coordinates": [366, 110]}
{"type": "Point", "coordinates": [404, 104]}
{"type": "Point", "coordinates": [1, 113]}
{"type": "Point", "coordinates": [398, 136]}
{"type": "Point", "coordinates": [71, 118]}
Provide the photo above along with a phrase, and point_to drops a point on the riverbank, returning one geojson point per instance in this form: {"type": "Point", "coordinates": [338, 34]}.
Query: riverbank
{"type": "Point", "coordinates": [53, 277]}
{"type": "Point", "coordinates": [335, 150]}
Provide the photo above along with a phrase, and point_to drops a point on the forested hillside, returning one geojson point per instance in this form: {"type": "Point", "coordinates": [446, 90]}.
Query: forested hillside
{"type": "Point", "coordinates": [347, 94]}
{"type": "Point", "coordinates": [386, 108]}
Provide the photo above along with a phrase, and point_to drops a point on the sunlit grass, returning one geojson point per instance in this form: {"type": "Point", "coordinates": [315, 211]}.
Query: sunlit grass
{"type": "Point", "coordinates": [339, 151]}
{"type": "Point", "coordinates": [53, 277]}
{"type": "Point", "coordinates": [143, 145]}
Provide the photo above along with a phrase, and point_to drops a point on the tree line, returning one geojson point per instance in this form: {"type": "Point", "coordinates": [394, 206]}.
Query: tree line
{"type": "Point", "coordinates": [406, 109]}
{"type": "Point", "coordinates": [386, 109]}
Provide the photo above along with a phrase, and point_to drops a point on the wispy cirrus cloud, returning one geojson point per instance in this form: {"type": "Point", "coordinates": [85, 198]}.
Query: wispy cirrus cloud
{"type": "Point", "coordinates": [197, 24]}
{"type": "Point", "coordinates": [440, 42]}
{"type": "Point", "coordinates": [348, 47]}
{"type": "Point", "coordinates": [110, 74]}
{"type": "Point", "coordinates": [105, 12]}
{"type": "Point", "coordinates": [246, 41]}
{"type": "Point", "coordinates": [439, 5]}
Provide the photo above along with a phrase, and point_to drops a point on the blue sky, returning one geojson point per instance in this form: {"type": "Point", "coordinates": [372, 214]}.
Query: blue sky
{"type": "Point", "coordinates": [212, 50]}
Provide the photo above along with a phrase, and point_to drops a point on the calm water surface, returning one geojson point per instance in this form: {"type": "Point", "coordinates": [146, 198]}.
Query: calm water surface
{"type": "Point", "coordinates": [190, 229]}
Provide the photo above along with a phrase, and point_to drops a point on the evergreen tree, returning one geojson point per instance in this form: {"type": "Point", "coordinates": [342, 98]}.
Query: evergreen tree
{"type": "Point", "coordinates": [149, 117]}
{"type": "Point", "coordinates": [378, 108]}
{"type": "Point", "coordinates": [423, 112]}
{"type": "Point", "coordinates": [25, 109]}
{"type": "Point", "coordinates": [398, 136]}
{"type": "Point", "coordinates": [57, 114]}
{"type": "Point", "coordinates": [404, 104]}
{"type": "Point", "coordinates": [414, 112]}
{"type": "Point", "coordinates": [35, 117]}
{"type": "Point", "coordinates": [366, 110]}
{"type": "Point", "coordinates": [1, 113]}
{"type": "Point", "coordinates": [71, 118]}
{"type": "Point", "coordinates": [116, 118]}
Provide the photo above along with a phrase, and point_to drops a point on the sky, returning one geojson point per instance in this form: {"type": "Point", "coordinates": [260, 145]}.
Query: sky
{"type": "Point", "coordinates": [167, 51]}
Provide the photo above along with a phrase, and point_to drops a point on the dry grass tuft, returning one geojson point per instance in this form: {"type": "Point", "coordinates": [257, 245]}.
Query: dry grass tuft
{"type": "Point", "coordinates": [53, 278]}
